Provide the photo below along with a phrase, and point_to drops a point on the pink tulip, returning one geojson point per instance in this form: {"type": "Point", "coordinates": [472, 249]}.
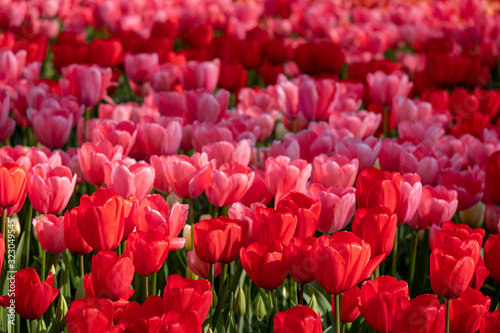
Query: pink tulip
{"type": "Point", "coordinates": [7, 125]}
{"type": "Point", "coordinates": [469, 185]}
{"type": "Point", "coordinates": [87, 82]}
{"type": "Point", "coordinates": [139, 67]}
{"type": "Point", "coordinates": [390, 151]}
{"type": "Point", "coordinates": [197, 74]}
{"type": "Point", "coordinates": [187, 176]}
{"type": "Point", "coordinates": [420, 131]}
{"type": "Point", "coordinates": [436, 205]}
{"type": "Point", "coordinates": [203, 106]}
{"type": "Point", "coordinates": [161, 182]}
{"type": "Point", "coordinates": [317, 98]}
{"type": "Point", "coordinates": [128, 178]}
{"type": "Point", "coordinates": [52, 127]}
{"type": "Point", "coordinates": [11, 65]}
{"type": "Point", "coordinates": [228, 184]}
{"type": "Point", "coordinates": [206, 133]}
{"type": "Point", "coordinates": [337, 206]}
{"type": "Point", "coordinates": [422, 162]}
{"type": "Point", "coordinates": [335, 170]}
{"type": "Point", "coordinates": [409, 110]}
{"type": "Point", "coordinates": [288, 98]}
{"type": "Point", "coordinates": [410, 192]}
{"type": "Point", "coordinates": [118, 133]}
{"type": "Point", "coordinates": [365, 151]}
{"type": "Point", "coordinates": [164, 77]}
{"type": "Point", "coordinates": [361, 123]}
{"type": "Point", "coordinates": [350, 97]}
{"type": "Point", "coordinates": [163, 138]}
{"type": "Point", "coordinates": [50, 189]}
{"type": "Point", "coordinates": [93, 156]}
{"type": "Point", "coordinates": [50, 232]}
{"type": "Point", "coordinates": [225, 152]}
{"type": "Point", "coordinates": [284, 176]}
{"type": "Point", "coordinates": [383, 88]}
{"type": "Point", "coordinates": [171, 104]}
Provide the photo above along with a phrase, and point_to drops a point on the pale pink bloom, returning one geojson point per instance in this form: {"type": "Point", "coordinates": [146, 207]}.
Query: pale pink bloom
{"type": "Point", "coordinates": [203, 106]}
{"type": "Point", "coordinates": [162, 138]}
{"type": "Point", "coordinates": [350, 97]}
{"type": "Point", "coordinates": [287, 97]}
{"type": "Point", "coordinates": [284, 176]}
{"type": "Point", "coordinates": [164, 77]}
{"type": "Point", "coordinates": [7, 125]}
{"type": "Point", "coordinates": [228, 184]}
{"type": "Point", "coordinates": [226, 152]}
{"type": "Point", "coordinates": [206, 133]}
{"type": "Point", "coordinates": [420, 131]}
{"type": "Point", "coordinates": [128, 178]}
{"type": "Point", "coordinates": [334, 170]}
{"type": "Point", "coordinates": [409, 110]}
{"type": "Point", "coordinates": [421, 161]}
{"type": "Point", "coordinates": [410, 192]}
{"type": "Point", "coordinates": [11, 65]}
{"type": "Point", "coordinates": [361, 123]}
{"type": "Point", "coordinates": [52, 127]}
{"type": "Point", "coordinates": [49, 229]}
{"type": "Point", "coordinates": [383, 87]}
{"type": "Point", "coordinates": [92, 157]}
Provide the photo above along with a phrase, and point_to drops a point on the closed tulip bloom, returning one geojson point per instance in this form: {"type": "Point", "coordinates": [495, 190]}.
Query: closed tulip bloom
{"type": "Point", "coordinates": [220, 239]}
{"type": "Point", "coordinates": [452, 268]}
{"type": "Point", "coordinates": [317, 98]}
{"type": "Point", "coordinates": [299, 319]}
{"type": "Point", "coordinates": [184, 295]}
{"type": "Point", "coordinates": [72, 236]}
{"type": "Point", "coordinates": [492, 218]}
{"type": "Point", "coordinates": [381, 299]}
{"type": "Point", "coordinates": [491, 250]}
{"type": "Point", "coordinates": [13, 181]}
{"type": "Point", "coordinates": [204, 106]}
{"type": "Point", "coordinates": [467, 311]}
{"type": "Point", "coordinates": [139, 67]}
{"type": "Point", "coordinates": [90, 315]}
{"type": "Point", "coordinates": [11, 65]}
{"type": "Point", "coordinates": [349, 308]}
{"type": "Point", "coordinates": [307, 211]}
{"type": "Point", "coordinates": [186, 175]}
{"type": "Point", "coordinates": [337, 206]}
{"type": "Point", "coordinates": [423, 315]}
{"type": "Point", "coordinates": [92, 157]}
{"type": "Point", "coordinates": [258, 192]}
{"type": "Point", "coordinates": [334, 170]}
{"type": "Point", "coordinates": [50, 189]}
{"type": "Point", "coordinates": [491, 188]}
{"type": "Point", "coordinates": [362, 124]}
{"type": "Point", "coordinates": [199, 267]}
{"type": "Point", "coordinates": [284, 176]}
{"type": "Point", "coordinates": [111, 276]}
{"type": "Point", "coordinates": [148, 250]}
{"type": "Point", "coordinates": [228, 184]}
{"type": "Point", "coordinates": [378, 188]}
{"type": "Point", "coordinates": [180, 322]}
{"type": "Point", "coordinates": [273, 224]}
{"type": "Point", "coordinates": [101, 219]}
{"type": "Point", "coordinates": [265, 264]}
{"type": "Point", "coordinates": [341, 261]}
{"type": "Point", "coordinates": [154, 213]}
{"type": "Point", "coordinates": [87, 82]}
{"type": "Point", "coordinates": [491, 322]}
{"type": "Point", "coordinates": [298, 256]}
{"type": "Point", "coordinates": [32, 296]}
{"type": "Point", "coordinates": [51, 126]}
{"type": "Point", "coordinates": [7, 125]}
{"type": "Point", "coordinates": [128, 178]}
{"type": "Point", "coordinates": [468, 185]}
{"type": "Point", "coordinates": [410, 192]}
{"type": "Point", "coordinates": [133, 311]}
{"type": "Point", "coordinates": [437, 204]}
{"type": "Point", "coordinates": [195, 74]}
{"type": "Point", "coordinates": [377, 227]}
{"type": "Point", "coordinates": [50, 231]}
{"type": "Point", "coordinates": [162, 138]}
{"type": "Point", "coordinates": [383, 88]}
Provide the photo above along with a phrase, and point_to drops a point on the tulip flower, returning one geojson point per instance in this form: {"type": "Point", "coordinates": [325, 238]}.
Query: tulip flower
{"type": "Point", "coordinates": [220, 239]}
{"type": "Point", "coordinates": [258, 192]}
{"type": "Point", "coordinates": [468, 185]}
{"type": "Point", "coordinates": [265, 264]}
{"type": "Point", "coordinates": [160, 138]}
{"type": "Point", "coordinates": [2, 251]}
{"type": "Point", "coordinates": [133, 311]}
{"type": "Point", "coordinates": [72, 237]}
{"type": "Point", "coordinates": [492, 218]}
{"type": "Point", "coordinates": [383, 88]}
{"type": "Point", "coordinates": [32, 296]}
{"type": "Point", "coordinates": [204, 106]}
{"type": "Point", "coordinates": [50, 231]}
{"type": "Point", "coordinates": [128, 178]}
{"type": "Point", "coordinates": [87, 82]}
{"type": "Point", "coordinates": [180, 321]}
{"type": "Point", "coordinates": [334, 170]}
{"type": "Point", "coordinates": [491, 178]}
{"type": "Point", "coordinates": [111, 276]}
{"type": "Point", "coordinates": [307, 211]}
{"type": "Point", "coordinates": [317, 98]}
{"type": "Point", "coordinates": [88, 315]}
{"type": "Point", "coordinates": [437, 204]}
{"type": "Point", "coordinates": [375, 187]}
{"type": "Point", "coordinates": [185, 295]}
{"type": "Point", "coordinates": [139, 67]}
{"type": "Point", "coordinates": [410, 192]}
{"type": "Point", "coordinates": [423, 315]}
{"type": "Point", "coordinates": [491, 248]}
{"type": "Point", "coordinates": [101, 219]}
{"type": "Point", "coordinates": [228, 184]}
{"type": "Point", "coordinates": [7, 125]}
{"type": "Point", "coordinates": [298, 257]}
{"type": "Point", "coordinates": [297, 319]}
{"type": "Point", "coordinates": [13, 181]}
{"type": "Point", "coordinates": [273, 224]}
{"type": "Point", "coordinates": [349, 309]}
{"type": "Point", "coordinates": [199, 267]}
{"type": "Point", "coordinates": [380, 299]}
{"type": "Point", "coordinates": [50, 189]}
{"type": "Point", "coordinates": [93, 156]}
{"type": "Point", "coordinates": [491, 322]}
{"type": "Point", "coordinates": [51, 126]}
{"type": "Point", "coordinates": [148, 251]}
{"type": "Point", "coordinates": [204, 74]}
{"type": "Point", "coordinates": [284, 176]}
{"type": "Point", "coordinates": [467, 311]}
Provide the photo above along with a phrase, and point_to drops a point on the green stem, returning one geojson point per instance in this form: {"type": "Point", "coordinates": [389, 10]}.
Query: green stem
{"type": "Point", "coordinates": [153, 289]}
{"type": "Point", "coordinates": [32, 326]}
{"type": "Point", "coordinates": [43, 265]}
{"type": "Point", "coordinates": [191, 218]}
{"type": "Point", "coordinates": [4, 224]}
{"type": "Point", "coordinates": [301, 293]}
{"type": "Point", "coordinates": [27, 228]}
{"type": "Point", "coordinates": [447, 330]}
{"type": "Point", "coordinates": [82, 266]}
{"type": "Point", "coordinates": [377, 272]}
{"type": "Point", "coordinates": [146, 286]}
{"type": "Point", "coordinates": [222, 277]}
{"type": "Point", "coordinates": [413, 260]}
{"type": "Point", "coordinates": [395, 252]}
{"type": "Point", "coordinates": [275, 301]}
{"type": "Point", "coordinates": [294, 125]}
{"type": "Point", "coordinates": [211, 280]}
{"type": "Point", "coordinates": [216, 212]}
{"type": "Point", "coordinates": [337, 313]}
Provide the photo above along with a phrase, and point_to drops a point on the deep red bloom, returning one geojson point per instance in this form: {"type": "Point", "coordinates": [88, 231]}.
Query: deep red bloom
{"type": "Point", "coordinates": [273, 224]}
{"type": "Point", "coordinates": [491, 251]}
{"type": "Point", "coordinates": [424, 315]}
{"type": "Point", "coordinates": [349, 308]}
{"type": "Point", "coordinates": [307, 211]}
{"type": "Point", "coordinates": [87, 315]}
{"type": "Point", "coordinates": [298, 255]}
{"type": "Point", "coordinates": [467, 311]}
{"type": "Point", "coordinates": [72, 236]}
{"type": "Point", "coordinates": [148, 250]}
{"type": "Point", "coordinates": [299, 319]}
{"type": "Point", "coordinates": [492, 178]}
{"type": "Point", "coordinates": [13, 181]}
{"type": "Point", "coordinates": [378, 188]}
{"type": "Point", "coordinates": [319, 58]}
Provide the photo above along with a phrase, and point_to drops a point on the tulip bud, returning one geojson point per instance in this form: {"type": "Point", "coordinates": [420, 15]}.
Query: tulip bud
{"type": "Point", "coordinates": [260, 308]}
{"type": "Point", "coordinates": [52, 270]}
{"type": "Point", "coordinates": [17, 225]}
{"type": "Point", "coordinates": [188, 236]}
{"type": "Point", "coordinates": [240, 303]}
{"type": "Point", "coordinates": [313, 303]}
{"type": "Point", "coordinates": [473, 216]}
{"type": "Point", "coordinates": [80, 290]}
{"type": "Point", "coordinates": [284, 292]}
{"type": "Point", "coordinates": [61, 310]}
{"type": "Point", "coordinates": [210, 330]}
{"type": "Point", "coordinates": [41, 327]}
{"type": "Point", "coordinates": [190, 274]}
{"type": "Point", "coordinates": [205, 217]}
{"type": "Point", "coordinates": [280, 131]}
{"type": "Point", "coordinates": [172, 198]}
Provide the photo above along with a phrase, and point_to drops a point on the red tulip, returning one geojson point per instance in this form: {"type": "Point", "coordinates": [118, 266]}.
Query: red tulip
{"type": "Point", "coordinates": [298, 257]}
{"type": "Point", "coordinates": [184, 295]}
{"type": "Point", "coordinates": [232, 77]}
{"type": "Point", "coordinates": [258, 191]}
{"type": "Point", "coordinates": [87, 315]}
{"type": "Point", "coordinates": [378, 188]}
{"type": "Point", "coordinates": [32, 297]}
{"type": "Point", "coordinates": [93, 156]}
{"type": "Point", "coordinates": [228, 184]}
{"type": "Point", "coordinates": [299, 319]}
{"type": "Point", "coordinates": [491, 322]}
{"type": "Point", "coordinates": [72, 236]}
{"type": "Point", "coordinates": [381, 299]}
{"type": "Point", "coordinates": [50, 231]}
{"type": "Point", "coordinates": [180, 322]}
{"type": "Point", "coordinates": [467, 311]}
{"type": "Point", "coordinates": [132, 311]}
{"type": "Point", "coordinates": [111, 276]}
{"type": "Point", "coordinates": [307, 211]}
{"type": "Point", "coordinates": [273, 224]}
{"type": "Point", "coordinates": [319, 57]}
{"type": "Point", "coordinates": [491, 250]}
{"type": "Point", "coordinates": [12, 186]}
{"type": "Point", "coordinates": [491, 182]}
{"type": "Point", "coordinates": [220, 239]}
{"type": "Point", "coordinates": [341, 261]}
{"type": "Point", "coordinates": [424, 315]}
{"type": "Point", "coordinates": [148, 250]}
{"type": "Point", "coordinates": [377, 227]}
{"type": "Point", "coordinates": [265, 264]}
{"type": "Point", "coordinates": [349, 308]}
{"type": "Point", "coordinates": [50, 189]}
{"type": "Point", "coordinates": [101, 219]}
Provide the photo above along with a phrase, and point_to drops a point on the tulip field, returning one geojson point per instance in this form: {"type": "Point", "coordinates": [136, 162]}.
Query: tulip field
{"type": "Point", "coordinates": [213, 166]}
